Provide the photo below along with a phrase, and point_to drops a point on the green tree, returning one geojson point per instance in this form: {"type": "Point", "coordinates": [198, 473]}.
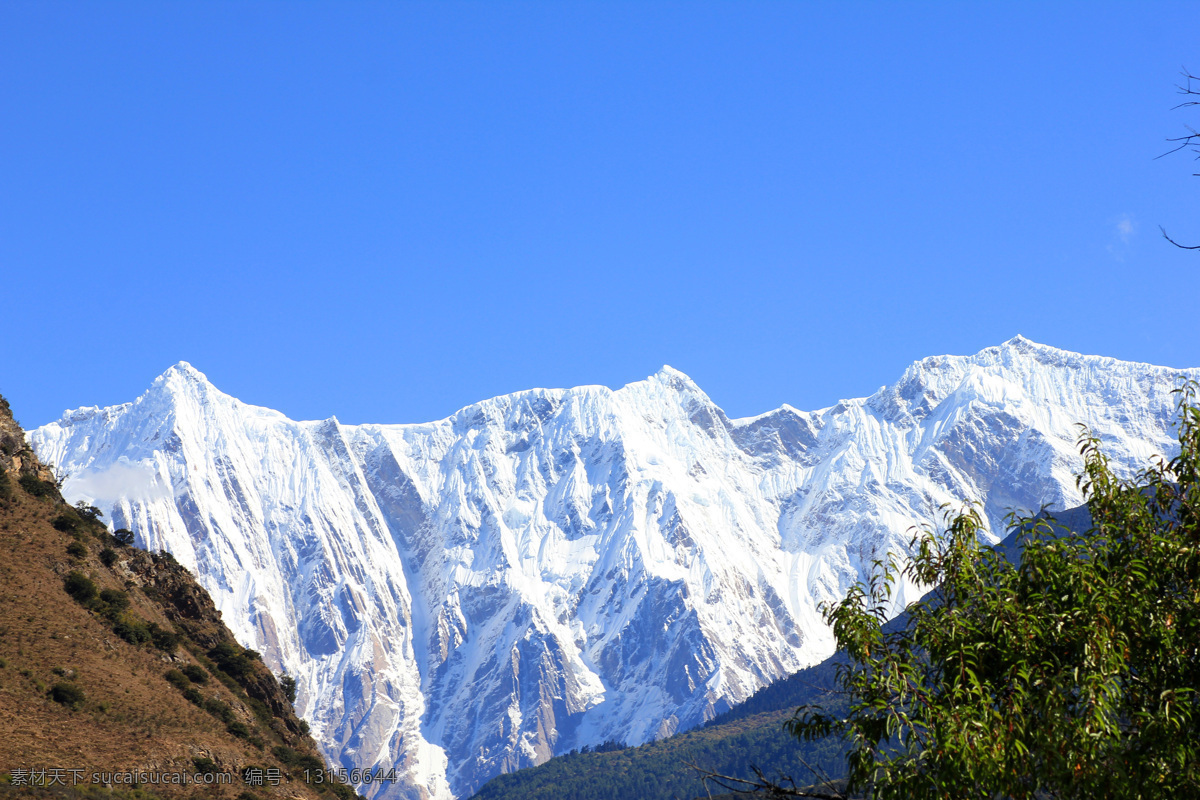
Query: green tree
{"type": "Point", "coordinates": [1072, 675]}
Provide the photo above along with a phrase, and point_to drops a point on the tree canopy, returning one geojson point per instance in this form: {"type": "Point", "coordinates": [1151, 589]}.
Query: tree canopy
{"type": "Point", "coordinates": [1072, 674]}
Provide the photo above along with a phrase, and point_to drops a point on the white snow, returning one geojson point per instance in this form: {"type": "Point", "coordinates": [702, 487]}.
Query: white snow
{"type": "Point", "coordinates": [554, 568]}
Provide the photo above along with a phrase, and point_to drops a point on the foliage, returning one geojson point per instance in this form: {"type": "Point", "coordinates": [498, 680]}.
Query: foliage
{"type": "Point", "coordinates": [6, 492]}
{"type": "Point", "coordinates": [238, 729]}
{"type": "Point", "coordinates": [195, 673]}
{"type": "Point", "coordinates": [68, 694]}
{"type": "Point", "coordinates": [219, 709]}
{"type": "Point", "coordinates": [108, 556]}
{"type": "Point", "coordinates": [87, 512]}
{"type": "Point", "coordinates": [80, 587]}
{"type": "Point", "coordinates": [163, 639]}
{"type": "Point", "coordinates": [177, 679]}
{"type": "Point", "coordinates": [65, 522]}
{"type": "Point", "coordinates": [232, 659]}
{"type": "Point", "coordinates": [36, 487]}
{"type": "Point", "coordinates": [123, 536]}
{"type": "Point", "coordinates": [205, 766]}
{"type": "Point", "coordinates": [132, 630]}
{"type": "Point", "coordinates": [115, 599]}
{"type": "Point", "coordinates": [1073, 675]}
{"type": "Point", "coordinates": [288, 684]}
{"type": "Point", "coordinates": [661, 770]}
{"type": "Point", "coordinates": [77, 550]}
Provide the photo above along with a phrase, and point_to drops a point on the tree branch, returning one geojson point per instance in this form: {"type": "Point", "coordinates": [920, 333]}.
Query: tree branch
{"type": "Point", "coordinates": [1177, 244]}
{"type": "Point", "coordinates": [761, 786]}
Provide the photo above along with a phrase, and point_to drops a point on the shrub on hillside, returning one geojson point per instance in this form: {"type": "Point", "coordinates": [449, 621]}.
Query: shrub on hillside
{"type": "Point", "coordinates": [77, 550]}
{"type": "Point", "coordinates": [80, 587]}
{"type": "Point", "coordinates": [6, 492]}
{"type": "Point", "coordinates": [36, 487]}
{"type": "Point", "coordinates": [232, 660]}
{"type": "Point", "coordinates": [163, 639]}
{"type": "Point", "coordinates": [67, 694]}
{"type": "Point", "coordinates": [132, 630]}
{"type": "Point", "coordinates": [108, 556]}
{"type": "Point", "coordinates": [238, 729]}
{"type": "Point", "coordinates": [67, 522]}
{"type": "Point", "coordinates": [219, 709]}
{"type": "Point", "coordinates": [177, 679]}
{"type": "Point", "coordinates": [195, 673]}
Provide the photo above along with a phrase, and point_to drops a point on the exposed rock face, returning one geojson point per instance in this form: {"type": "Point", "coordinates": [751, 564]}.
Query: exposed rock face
{"type": "Point", "coordinates": [556, 568]}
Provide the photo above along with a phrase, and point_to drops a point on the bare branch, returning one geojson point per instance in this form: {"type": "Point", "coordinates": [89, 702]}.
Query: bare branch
{"type": "Point", "coordinates": [761, 785]}
{"type": "Point", "coordinates": [1190, 141]}
{"type": "Point", "coordinates": [1177, 244]}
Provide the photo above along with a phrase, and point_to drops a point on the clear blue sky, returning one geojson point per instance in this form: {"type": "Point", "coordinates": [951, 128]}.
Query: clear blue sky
{"type": "Point", "coordinates": [386, 211]}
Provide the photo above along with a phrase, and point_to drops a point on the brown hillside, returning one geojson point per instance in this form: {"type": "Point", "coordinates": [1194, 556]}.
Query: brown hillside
{"type": "Point", "coordinates": [114, 660]}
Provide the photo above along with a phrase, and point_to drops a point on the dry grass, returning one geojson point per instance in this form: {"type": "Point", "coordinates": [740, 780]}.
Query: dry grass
{"type": "Point", "coordinates": [131, 717]}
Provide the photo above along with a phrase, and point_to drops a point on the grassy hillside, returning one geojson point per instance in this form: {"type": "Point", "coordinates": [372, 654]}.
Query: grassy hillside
{"type": "Point", "coordinates": [114, 662]}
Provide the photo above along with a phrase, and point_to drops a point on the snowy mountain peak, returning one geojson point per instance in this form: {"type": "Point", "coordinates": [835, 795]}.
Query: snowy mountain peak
{"type": "Point", "coordinates": [560, 567]}
{"type": "Point", "coordinates": [182, 372]}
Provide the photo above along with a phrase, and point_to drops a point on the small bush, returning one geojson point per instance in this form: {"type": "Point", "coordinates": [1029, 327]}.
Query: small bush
{"type": "Point", "coordinates": [195, 674]}
{"type": "Point", "coordinates": [115, 599]}
{"type": "Point", "coordinates": [80, 587]}
{"type": "Point", "coordinates": [177, 679]}
{"type": "Point", "coordinates": [286, 755]}
{"type": "Point", "coordinates": [194, 697]}
{"type": "Point", "coordinates": [232, 660]}
{"type": "Point", "coordinates": [108, 556]}
{"type": "Point", "coordinates": [205, 766]}
{"type": "Point", "coordinates": [77, 550]}
{"type": "Point", "coordinates": [67, 522]}
{"type": "Point", "coordinates": [238, 729]}
{"type": "Point", "coordinates": [36, 487]}
{"type": "Point", "coordinates": [219, 710]}
{"type": "Point", "coordinates": [123, 536]}
{"type": "Point", "coordinates": [163, 639]}
{"type": "Point", "coordinates": [133, 631]}
{"type": "Point", "coordinates": [67, 694]}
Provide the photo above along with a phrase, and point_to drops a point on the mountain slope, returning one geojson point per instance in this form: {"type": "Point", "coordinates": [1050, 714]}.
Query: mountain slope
{"type": "Point", "coordinates": [734, 743]}
{"type": "Point", "coordinates": [557, 568]}
{"type": "Point", "coordinates": [113, 660]}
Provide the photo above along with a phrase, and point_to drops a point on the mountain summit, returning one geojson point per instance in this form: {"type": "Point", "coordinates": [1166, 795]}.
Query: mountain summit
{"type": "Point", "coordinates": [555, 568]}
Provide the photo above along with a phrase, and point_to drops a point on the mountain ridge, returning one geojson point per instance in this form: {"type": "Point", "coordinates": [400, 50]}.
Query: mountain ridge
{"type": "Point", "coordinates": [559, 567]}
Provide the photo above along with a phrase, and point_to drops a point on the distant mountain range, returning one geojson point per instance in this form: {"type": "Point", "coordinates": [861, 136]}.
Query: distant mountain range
{"type": "Point", "coordinates": [557, 568]}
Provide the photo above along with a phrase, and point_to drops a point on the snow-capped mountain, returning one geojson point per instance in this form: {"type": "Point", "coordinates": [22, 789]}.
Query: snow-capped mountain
{"type": "Point", "coordinates": [556, 568]}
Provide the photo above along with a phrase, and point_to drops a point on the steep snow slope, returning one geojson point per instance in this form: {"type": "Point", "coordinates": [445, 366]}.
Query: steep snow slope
{"type": "Point", "coordinates": [558, 567]}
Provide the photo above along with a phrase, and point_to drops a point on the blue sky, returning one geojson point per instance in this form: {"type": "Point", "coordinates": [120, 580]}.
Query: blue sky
{"type": "Point", "coordinates": [386, 211]}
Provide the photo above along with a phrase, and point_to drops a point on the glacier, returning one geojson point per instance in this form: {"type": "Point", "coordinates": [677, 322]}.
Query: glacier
{"type": "Point", "coordinates": [555, 568]}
